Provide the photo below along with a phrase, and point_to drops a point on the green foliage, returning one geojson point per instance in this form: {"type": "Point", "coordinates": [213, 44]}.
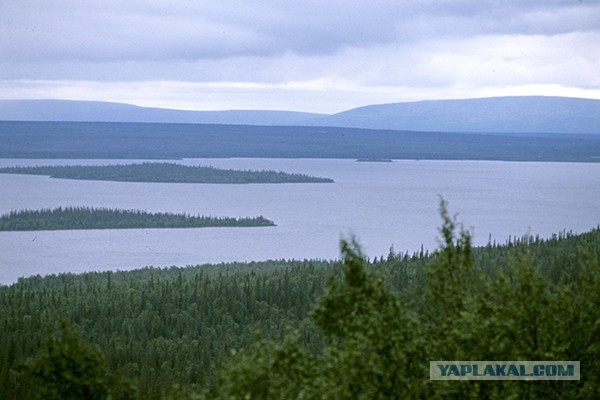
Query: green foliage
{"type": "Point", "coordinates": [371, 343]}
{"type": "Point", "coordinates": [514, 310]}
{"type": "Point", "coordinates": [67, 367]}
{"type": "Point", "coordinates": [372, 337]}
{"type": "Point", "coordinates": [106, 218]}
{"type": "Point", "coordinates": [377, 346]}
{"type": "Point", "coordinates": [161, 327]}
{"type": "Point", "coordinates": [269, 370]}
{"type": "Point", "coordinates": [163, 172]}
{"type": "Point", "coordinates": [452, 283]}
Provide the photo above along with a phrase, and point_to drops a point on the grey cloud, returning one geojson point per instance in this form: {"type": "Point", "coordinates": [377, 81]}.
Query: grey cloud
{"type": "Point", "coordinates": [100, 36]}
{"type": "Point", "coordinates": [181, 30]}
{"type": "Point", "coordinates": [312, 55]}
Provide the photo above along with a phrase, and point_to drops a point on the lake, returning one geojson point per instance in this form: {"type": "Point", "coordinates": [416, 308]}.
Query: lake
{"type": "Point", "coordinates": [382, 204]}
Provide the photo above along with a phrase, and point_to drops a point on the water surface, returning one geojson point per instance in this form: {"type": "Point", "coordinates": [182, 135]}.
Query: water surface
{"type": "Point", "coordinates": [383, 204]}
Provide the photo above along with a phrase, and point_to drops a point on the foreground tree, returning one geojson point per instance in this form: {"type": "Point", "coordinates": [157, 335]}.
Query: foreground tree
{"type": "Point", "coordinates": [378, 345]}
{"type": "Point", "coordinates": [68, 367]}
{"type": "Point", "coordinates": [372, 347]}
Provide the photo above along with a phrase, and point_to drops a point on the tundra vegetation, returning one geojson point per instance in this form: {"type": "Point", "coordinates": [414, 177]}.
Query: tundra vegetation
{"type": "Point", "coordinates": [348, 329]}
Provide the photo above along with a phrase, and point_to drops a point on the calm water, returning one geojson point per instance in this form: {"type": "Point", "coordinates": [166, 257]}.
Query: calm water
{"type": "Point", "coordinates": [383, 204]}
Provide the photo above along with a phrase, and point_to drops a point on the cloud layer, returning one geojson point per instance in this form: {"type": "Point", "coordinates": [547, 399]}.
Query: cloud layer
{"type": "Point", "coordinates": [308, 55]}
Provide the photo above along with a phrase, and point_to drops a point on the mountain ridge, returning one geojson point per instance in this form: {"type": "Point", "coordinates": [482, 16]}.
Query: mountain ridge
{"type": "Point", "coordinates": [100, 111]}
{"type": "Point", "coordinates": [507, 114]}
{"type": "Point", "coordinates": [499, 115]}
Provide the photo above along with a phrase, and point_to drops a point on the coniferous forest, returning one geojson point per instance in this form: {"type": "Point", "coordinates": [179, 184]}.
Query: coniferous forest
{"type": "Point", "coordinates": [113, 140]}
{"type": "Point", "coordinates": [348, 329]}
{"type": "Point", "coordinates": [63, 218]}
{"type": "Point", "coordinates": [163, 172]}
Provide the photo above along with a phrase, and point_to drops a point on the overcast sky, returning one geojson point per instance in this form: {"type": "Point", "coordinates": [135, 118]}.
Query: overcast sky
{"type": "Point", "coordinates": [302, 55]}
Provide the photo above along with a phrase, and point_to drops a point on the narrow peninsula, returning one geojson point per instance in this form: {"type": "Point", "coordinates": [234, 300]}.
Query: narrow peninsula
{"type": "Point", "coordinates": [165, 173]}
{"type": "Point", "coordinates": [71, 218]}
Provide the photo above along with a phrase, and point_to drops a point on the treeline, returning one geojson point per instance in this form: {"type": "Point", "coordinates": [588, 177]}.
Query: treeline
{"type": "Point", "coordinates": [62, 218]}
{"type": "Point", "coordinates": [163, 172]}
{"type": "Point", "coordinates": [317, 329]}
{"type": "Point", "coordinates": [101, 140]}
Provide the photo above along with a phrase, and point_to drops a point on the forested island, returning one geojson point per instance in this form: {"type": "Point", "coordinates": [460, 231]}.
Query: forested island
{"type": "Point", "coordinates": [163, 172]}
{"type": "Point", "coordinates": [63, 218]}
{"type": "Point", "coordinates": [353, 328]}
{"type": "Point", "coordinates": [383, 160]}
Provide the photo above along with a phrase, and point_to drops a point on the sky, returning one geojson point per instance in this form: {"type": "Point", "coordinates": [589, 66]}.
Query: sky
{"type": "Point", "coordinates": [299, 55]}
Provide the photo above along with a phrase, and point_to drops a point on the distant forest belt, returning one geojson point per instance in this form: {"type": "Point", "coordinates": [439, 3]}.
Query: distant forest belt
{"type": "Point", "coordinates": [164, 141]}
{"type": "Point", "coordinates": [72, 218]}
{"type": "Point", "coordinates": [164, 172]}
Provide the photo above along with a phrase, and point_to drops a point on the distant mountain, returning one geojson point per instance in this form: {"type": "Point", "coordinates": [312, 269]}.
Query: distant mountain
{"type": "Point", "coordinates": [525, 114]}
{"type": "Point", "coordinates": [95, 111]}
{"type": "Point", "coordinates": [505, 115]}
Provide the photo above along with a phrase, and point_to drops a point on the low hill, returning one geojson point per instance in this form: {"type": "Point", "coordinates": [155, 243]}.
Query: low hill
{"type": "Point", "coordinates": [97, 111]}
{"type": "Point", "coordinates": [514, 115]}
{"type": "Point", "coordinates": [523, 114]}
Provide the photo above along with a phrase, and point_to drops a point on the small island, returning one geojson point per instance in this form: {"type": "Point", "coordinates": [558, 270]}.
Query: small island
{"type": "Point", "coordinates": [165, 173]}
{"type": "Point", "coordinates": [386, 160]}
{"type": "Point", "coordinates": [70, 218]}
